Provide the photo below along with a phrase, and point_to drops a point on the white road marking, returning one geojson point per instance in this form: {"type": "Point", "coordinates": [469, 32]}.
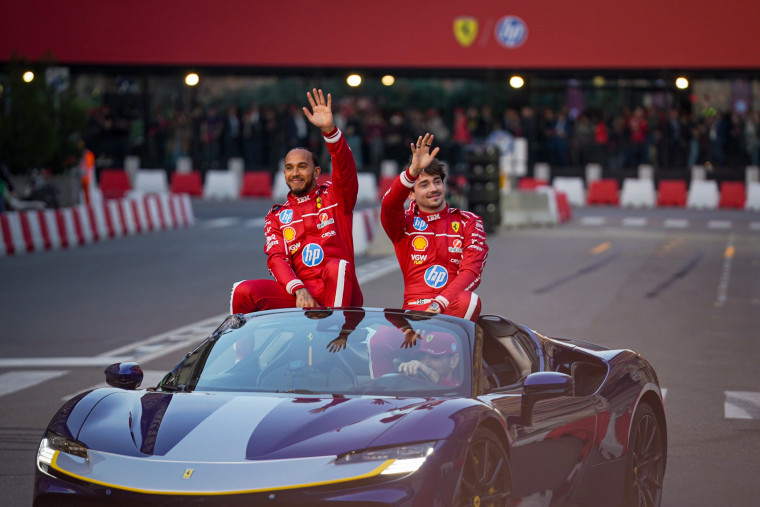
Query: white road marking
{"type": "Point", "coordinates": [676, 223]}
{"type": "Point", "coordinates": [66, 362]}
{"type": "Point", "coordinates": [151, 378]}
{"type": "Point", "coordinates": [144, 351]}
{"type": "Point", "coordinates": [254, 222]}
{"type": "Point", "coordinates": [17, 380]}
{"type": "Point", "coordinates": [634, 222]}
{"type": "Point", "coordinates": [593, 221]}
{"type": "Point", "coordinates": [741, 405]}
{"type": "Point", "coordinates": [719, 224]}
{"type": "Point", "coordinates": [220, 222]}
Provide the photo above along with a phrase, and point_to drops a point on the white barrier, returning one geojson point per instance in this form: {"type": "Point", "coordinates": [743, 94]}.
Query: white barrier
{"type": "Point", "coordinates": [638, 193]}
{"type": "Point", "coordinates": [753, 197]}
{"type": "Point", "coordinates": [542, 171]}
{"type": "Point", "coordinates": [40, 230]}
{"type": "Point", "coordinates": [366, 225]}
{"type": "Point", "coordinates": [367, 188]}
{"type": "Point", "coordinates": [593, 172]}
{"type": "Point", "coordinates": [149, 181]}
{"type": "Point", "coordinates": [221, 185]}
{"type": "Point", "coordinates": [703, 194]}
{"type": "Point", "coordinates": [529, 208]}
{"type": "Point", "coordinates": [573, 188]}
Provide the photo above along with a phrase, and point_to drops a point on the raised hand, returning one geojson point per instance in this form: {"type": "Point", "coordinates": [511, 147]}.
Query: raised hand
{"type": "Point", "coordinates": [321, 112]}
{"type": "Point", "coordinates": [421, 154]}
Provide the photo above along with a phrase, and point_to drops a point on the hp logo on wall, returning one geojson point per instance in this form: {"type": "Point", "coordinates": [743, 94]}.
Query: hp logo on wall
{"type": "Point", "coordinates": [511, 32]}
{"type": "Point", "coordinates": [436, 276]}
{"type": "Point", "coordinates": [312, 255]}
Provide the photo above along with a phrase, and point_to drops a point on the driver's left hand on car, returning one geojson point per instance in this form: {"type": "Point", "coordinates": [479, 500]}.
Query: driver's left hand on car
{"type": "Point", "coordinates": [304, 299]}
{"type": "Point", "coordinates": [413, 367]}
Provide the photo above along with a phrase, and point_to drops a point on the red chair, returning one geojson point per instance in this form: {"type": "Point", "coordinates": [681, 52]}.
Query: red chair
{"type": "Point", "coordinates": [604, 191]}
{"type": "Point", "coordinates": [672, 193]}
{"type": "Point", "coordinates": [530, 183]}
{"type": "Point", "coordinates": [187, 183]}
{"type": "Point", "coordinates": [257, 184]}
{"type": "Point", "coordinates": [114, 183]}
{"type": "Point", "coordinates": [732, 195]}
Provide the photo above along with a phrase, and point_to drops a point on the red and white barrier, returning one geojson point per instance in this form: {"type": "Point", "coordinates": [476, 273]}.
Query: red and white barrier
{"type": "Point", "coordinates": [39, 230]}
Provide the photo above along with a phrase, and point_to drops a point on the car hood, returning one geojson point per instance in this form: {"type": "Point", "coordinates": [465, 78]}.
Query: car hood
{"type": "Point", "coordinates": [233, 427]}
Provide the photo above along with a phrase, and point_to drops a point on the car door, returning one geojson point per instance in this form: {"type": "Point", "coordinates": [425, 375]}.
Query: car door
{"type": "Point", "coordinates": [550, 447]}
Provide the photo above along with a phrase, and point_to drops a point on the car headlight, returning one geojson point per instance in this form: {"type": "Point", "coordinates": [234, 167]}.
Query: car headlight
{"type": "Point", "coordinates": [406, 458]}
{"type": "Point", "coordinates": [52, 442]}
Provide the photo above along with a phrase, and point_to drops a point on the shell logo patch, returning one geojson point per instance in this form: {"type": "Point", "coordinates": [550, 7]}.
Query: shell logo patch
{"type": "Point", "coordinates": [312, 255]}
{"type": "Point", "coordinates": [419, 243]}
{"type": "Point", "coordinates": [455, 226]}
{"type": "Point", "coordinates": [286, 216]}
{"type": "Point", "coordinates": [288, 233]}
{"type": "Point", "coordinates": [419, 223]}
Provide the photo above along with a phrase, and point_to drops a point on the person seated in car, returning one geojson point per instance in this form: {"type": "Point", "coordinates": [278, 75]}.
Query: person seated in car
{"type": "Point", "coordinates": [436, 360]}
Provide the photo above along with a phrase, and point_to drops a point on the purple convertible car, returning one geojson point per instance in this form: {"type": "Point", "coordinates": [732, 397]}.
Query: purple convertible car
{"type": "Point", "coordinates": [357, 406]}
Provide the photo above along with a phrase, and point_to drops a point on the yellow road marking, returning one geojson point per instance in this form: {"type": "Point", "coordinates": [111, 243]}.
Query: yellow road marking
{"type": "Point", "coordinates": [601, 248]}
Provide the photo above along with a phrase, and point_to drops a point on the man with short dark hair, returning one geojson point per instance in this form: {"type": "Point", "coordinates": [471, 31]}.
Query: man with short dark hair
{"type": "Point", "coordinates": [309, 241]}
{"type": "Point", "coordinates": [441, 250]}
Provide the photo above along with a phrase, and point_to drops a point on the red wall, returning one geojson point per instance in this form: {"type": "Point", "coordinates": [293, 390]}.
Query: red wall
{"type": "Point", "coordinates": [607, 34]}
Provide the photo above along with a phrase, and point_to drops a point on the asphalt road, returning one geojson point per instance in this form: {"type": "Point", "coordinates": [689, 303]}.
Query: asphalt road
{"type": "Point", "coordinates": [680, 286]}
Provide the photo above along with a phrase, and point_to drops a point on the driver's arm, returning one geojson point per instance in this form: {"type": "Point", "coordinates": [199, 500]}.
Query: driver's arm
{"type": "Point", "coordinates": [416, 368]}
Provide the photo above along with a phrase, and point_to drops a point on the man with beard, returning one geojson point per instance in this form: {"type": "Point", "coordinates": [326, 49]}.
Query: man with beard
{"type": "Point", "coordinates": [309, 241]}
{"type": "Point", "coordinates": [441, 250]}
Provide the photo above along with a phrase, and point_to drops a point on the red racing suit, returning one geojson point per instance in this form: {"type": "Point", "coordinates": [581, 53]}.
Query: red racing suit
{"type": "Point", "coordinates": [441, 254]}
{"type": "Point", "coordinates": [309, 243]}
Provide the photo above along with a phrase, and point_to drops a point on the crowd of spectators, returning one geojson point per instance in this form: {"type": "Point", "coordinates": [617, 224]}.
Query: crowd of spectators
{"type": "Point", "coordinates": [562, 137]}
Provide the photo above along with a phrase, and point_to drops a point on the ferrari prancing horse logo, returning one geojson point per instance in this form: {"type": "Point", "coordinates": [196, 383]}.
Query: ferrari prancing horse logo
{"type": "Point", "coordinates": [465, 30]}
{"type": "Point", "coordinates": [455, 226]}
{"type": "Point", "coordinates": [188, 473]}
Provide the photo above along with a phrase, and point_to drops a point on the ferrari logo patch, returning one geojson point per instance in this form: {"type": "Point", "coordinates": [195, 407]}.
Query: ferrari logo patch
{"type": "Point", "coordinates": [455, 226]}
{"type": "Point", "coordinates": [319, 202]}
{"type": "Point", "coordinates": [465, 30]}
{"type": "Point", "coordinates": [188, 473]}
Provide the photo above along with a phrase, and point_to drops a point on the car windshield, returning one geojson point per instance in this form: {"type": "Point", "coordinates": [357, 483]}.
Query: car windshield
{"type": "Point", "coordinates": [337, 352]}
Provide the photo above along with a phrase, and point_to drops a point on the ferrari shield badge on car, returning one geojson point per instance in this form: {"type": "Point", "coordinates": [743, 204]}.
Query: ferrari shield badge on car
{"type": "Point", "coordinates": [188, 473]}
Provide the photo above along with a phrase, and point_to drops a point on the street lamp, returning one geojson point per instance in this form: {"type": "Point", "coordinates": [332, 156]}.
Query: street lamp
{"type": "Point", "coordinates": [192, 79]}
{"type": "Point", "coordinates": [354, 80]}
{"type": "Point", "coordinates": [28, 76]}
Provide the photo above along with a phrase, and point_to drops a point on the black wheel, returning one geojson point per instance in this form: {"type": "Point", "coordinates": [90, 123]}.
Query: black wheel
{"type": "Point", "coordinates": [486, 478]}
{"type": "Point", "coordinates": [646, 460]}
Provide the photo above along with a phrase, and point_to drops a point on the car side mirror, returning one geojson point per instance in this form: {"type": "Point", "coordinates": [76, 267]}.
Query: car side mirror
{"type": "Point", "coordinates": [543, 385]}
{"type": "Point", "coordinates": [124, 375]}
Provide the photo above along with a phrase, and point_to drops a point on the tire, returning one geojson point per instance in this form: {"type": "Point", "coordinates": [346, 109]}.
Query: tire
{"type": "Point", "coordinates": [645, 468]}
{"type": "Point", "coordinates": [486, 476]}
